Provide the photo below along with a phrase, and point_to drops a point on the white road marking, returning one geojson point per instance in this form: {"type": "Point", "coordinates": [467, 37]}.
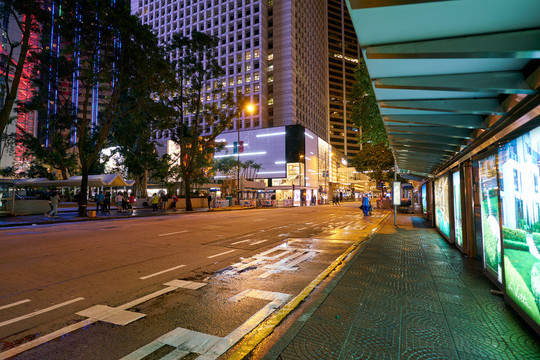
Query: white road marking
{"type": "Point", "coordinates": [208, 346]}
{"type": "Point", "coordinates": [223, 253]}
{"type": "Point", "coordinates": [242, 241]}
{"type": "Point", "coordinates": [257, 220]}
{"type": "Point", "coordinates": [174, 233]}
{"type": "Point", "coordinates": [39, 312]}
{"type": "Point", "coordinates": [172, 286]}
{"type": "Point", "coordinates": [14, 304]}
{"type": "Point", "coordinates": [258, 242]}
{"type": "Point", "coordinates": [161, 272]}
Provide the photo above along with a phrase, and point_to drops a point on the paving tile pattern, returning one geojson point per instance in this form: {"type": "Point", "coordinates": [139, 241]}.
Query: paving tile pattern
{"type": "Point", "coordinates": [411, 295]}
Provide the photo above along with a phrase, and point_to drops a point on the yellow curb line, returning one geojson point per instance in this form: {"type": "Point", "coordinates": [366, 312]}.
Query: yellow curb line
{"type": "Point", "coordinates": [266, 328]}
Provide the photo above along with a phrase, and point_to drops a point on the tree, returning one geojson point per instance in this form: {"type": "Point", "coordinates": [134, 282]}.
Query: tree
{"type": "Point", "coordinates": [194, 125]}
{"type": "Point", "coordinates": [377, 160]}
{"type": "Point", "coordinates": [20, 22]}
{"type": "Point", "coordinates": [365, 111]}
{"type": "Point", "coordinates": [104, 55]}
{"type": "Point", "coordinates": [133, 134]}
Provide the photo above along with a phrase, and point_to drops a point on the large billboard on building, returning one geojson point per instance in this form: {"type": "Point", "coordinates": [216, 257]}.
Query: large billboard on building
{"type": "Point", "coordinates": [489, 209]}
{"type": "Point", "coordinates": [458, 226]}
{"type": "Point", "coordinates": [442, 213]}
{"type": "Point", "coordinates": [265, 147]}
{"type": "Point", "coordinates": [519, 173]}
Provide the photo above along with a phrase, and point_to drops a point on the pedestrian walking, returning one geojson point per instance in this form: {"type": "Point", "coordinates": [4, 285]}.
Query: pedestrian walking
{"type": "Point", "coordinates": [125, 202]}
{"type": "Point", "coordinates": [119, 197]}
{"type": "Point", "coordinates": [99, 201]}
{"type": "Point", "coordinates": [55, 199]}
{"type": "Point", "coordinates": [131, 201]}
{"type": "Point", "coordinates": [209, 200]}
{"type": "Point", "coordinates": [174, 201]}
{"type": "Point", "coordinates": [107, 202]}
{"type": "Point", "coordinates": [155, 202]}
{"type": "Point", "coordinates": [365, 204]}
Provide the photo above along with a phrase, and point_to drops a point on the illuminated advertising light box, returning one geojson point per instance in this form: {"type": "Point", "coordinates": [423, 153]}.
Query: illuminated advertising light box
{"type": "Point", "coordinates": [519, 173]}
{"type": "Point", "coordinates": [458, 226]}
{"type": "Point", "coordinates": [442, 218]}
{"type": "Point", "coordinates": [424, 199]}
{"type": "Point", "coordinates": [489, 209]}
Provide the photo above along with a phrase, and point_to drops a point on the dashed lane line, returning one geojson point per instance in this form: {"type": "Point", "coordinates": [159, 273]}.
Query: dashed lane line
{"type": "Point", "coordinates": [171, 286]}
{"type": "Point", "coordinates": [223, 253]}
{"type": "Point", "coordinates": [14, 304]}
{"type": "Point", "coordinates": [39, 312]}
{"type": "Point", "coordinates": [174, 233]}
{"type": "Point", "coordinates": [258, 242]}
{"type": "Point", "coordinates": [161, 272]}
{"type": "Point", "coordinates": [241, 241]}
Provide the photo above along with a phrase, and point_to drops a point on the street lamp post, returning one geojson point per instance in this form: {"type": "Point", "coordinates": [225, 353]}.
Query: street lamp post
{"type": "Point", "coordinates": [250, 108]}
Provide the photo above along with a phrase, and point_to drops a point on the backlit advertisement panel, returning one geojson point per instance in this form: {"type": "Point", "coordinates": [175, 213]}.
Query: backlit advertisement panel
{"type": "Point", "coordinates": [489, 209]}
{"type": "Point", "coordinates": [442, 218]}
{"type": "Point", "coordinates": [424, 199]}
{"type": "Point", "coordinates": [458, 227]}
{"type": "Point", "coordinates": [519, 174]}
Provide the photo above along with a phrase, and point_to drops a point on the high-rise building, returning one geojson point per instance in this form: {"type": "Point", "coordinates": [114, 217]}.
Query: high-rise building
{"type": "Point", "coordinates": [343, 55]}
{"type": "Point", "coordinates": [270, 51]}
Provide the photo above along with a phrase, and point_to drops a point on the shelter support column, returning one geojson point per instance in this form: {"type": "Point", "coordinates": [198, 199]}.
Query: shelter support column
{"type": "Point", "coordinates": [468, 207]}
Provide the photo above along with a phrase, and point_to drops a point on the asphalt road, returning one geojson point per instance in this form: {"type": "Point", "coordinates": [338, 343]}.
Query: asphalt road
{"type": "Point", "coordinates": [161, 287]}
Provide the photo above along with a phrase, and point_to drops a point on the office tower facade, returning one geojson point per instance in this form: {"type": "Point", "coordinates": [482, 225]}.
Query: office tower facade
{"type": "Point", "coordinates": [343, 54]}
{"type": "Point", "coordinates": [270, 51]}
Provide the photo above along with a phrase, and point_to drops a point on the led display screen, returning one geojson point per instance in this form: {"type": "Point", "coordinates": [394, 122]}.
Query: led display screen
{"type": "Point", "coordinates": [458, 227]}
{"type": "Point", "coordinates": [489, 209]}
{"type": "Point", "coordinates": [442, 218]}
{"type": "Point", "coordinates": [424, 199]}
{"type": "Point", "coordinates": [520, 198]}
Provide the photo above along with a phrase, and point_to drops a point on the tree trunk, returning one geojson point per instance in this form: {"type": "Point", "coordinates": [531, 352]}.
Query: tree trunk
{"type": "Point", "coordinates": [141, 183]}
{"type": "Point", "coordinates": [83, 196]}
{"type": "Point", "coordinates": [187, 186]}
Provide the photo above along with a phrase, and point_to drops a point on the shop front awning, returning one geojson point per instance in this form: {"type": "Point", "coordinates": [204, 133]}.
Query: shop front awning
{"type": "Point", "coordinates": [450, 77]}
{"type": "Point", "coordinates": [106, 180]}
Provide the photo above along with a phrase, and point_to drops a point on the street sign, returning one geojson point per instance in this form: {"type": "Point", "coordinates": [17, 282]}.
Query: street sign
{"type": "Point", "coordinates": [396, 193]}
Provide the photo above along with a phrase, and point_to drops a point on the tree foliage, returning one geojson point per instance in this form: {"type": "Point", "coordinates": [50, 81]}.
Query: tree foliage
{"type": "Point", "coordinates": [365, 112]}
{"type": "Point", "coordinates": [20, 21]}
{"type": "Point", "coordinates": [105, 54]}
{"type": "Point", "coordinates": [375, 159]}
{"type": "Point", "coordinates": [194, 126]}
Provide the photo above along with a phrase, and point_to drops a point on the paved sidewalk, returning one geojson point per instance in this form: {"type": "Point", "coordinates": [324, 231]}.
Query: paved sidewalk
{"type": "Point", "coordinates": [71, 215]}
{"type": "Point", "coordinates": [408, 294]}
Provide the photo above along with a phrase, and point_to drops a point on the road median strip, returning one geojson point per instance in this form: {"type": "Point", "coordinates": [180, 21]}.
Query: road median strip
{"type": "Point", "coordinates": [262, 331]}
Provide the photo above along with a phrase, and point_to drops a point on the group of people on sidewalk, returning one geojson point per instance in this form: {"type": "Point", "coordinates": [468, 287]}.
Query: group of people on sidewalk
{"type": "Point", "coordinates": [124, 202]}
{"type": "Point", "coordinates": [159, 201]}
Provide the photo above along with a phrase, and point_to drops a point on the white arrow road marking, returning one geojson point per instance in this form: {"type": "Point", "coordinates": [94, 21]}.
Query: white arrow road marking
{"type": "Point", "coordinates": [105, 313]}
{"type": "Point", "coordinates": [161, 272]}
{"type": "Point", "coordinates": [39, 312]}
{"type": "Point", "coordinates": [14, 304]}
{"type": "Point", "coordinates": [211, 347]}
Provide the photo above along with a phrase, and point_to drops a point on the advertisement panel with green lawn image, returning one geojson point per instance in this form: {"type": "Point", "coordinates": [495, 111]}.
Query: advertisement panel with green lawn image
{"type": "Point", "coordinates": [489, 208]}
{"type": "Point", "coordinates": [520, 195]}
{"type": "Point", "coordinates": [458, 228]}
{"type": "Point", "coordinates": [424, 199]}
{"type": "Point", "coordinates": [442, 218]}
